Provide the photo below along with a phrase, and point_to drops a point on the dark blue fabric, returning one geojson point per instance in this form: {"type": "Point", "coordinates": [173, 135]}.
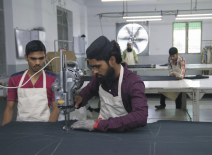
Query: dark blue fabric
{"type": "Point", "coordinates": [142, 66]}
{"type": "Point", "coordinates": [162, 138]}
{"type": "Point", "coordinates": [145, 78]}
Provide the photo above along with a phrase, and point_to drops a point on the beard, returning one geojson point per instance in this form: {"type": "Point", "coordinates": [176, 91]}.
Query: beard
{"type": "Point", "coordinates": [129, 49]}
{"type": "Point", "coordinates": [107, 80]}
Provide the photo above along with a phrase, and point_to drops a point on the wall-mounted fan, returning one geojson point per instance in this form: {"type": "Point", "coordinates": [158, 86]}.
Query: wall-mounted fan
{"type": "Point", "coordinates": [134, 33]}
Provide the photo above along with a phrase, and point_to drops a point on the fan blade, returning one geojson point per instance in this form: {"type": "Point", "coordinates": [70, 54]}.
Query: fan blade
{"type": "Point", "coordinates": [137, 32]}
{"type": "Point", "coordinates": [124, 38]}
{"type": "Point", "coordinates": [135, 45]}
{"type": "Point", "coordinates": [129, 32]}
{"type": "Point", "coordinates": [139, 40]}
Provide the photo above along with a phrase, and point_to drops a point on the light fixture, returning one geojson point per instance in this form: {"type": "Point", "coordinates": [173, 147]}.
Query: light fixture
{"type": "Point", "coordinates": [134, 17]}
{"type": "Point", "coordinates": [193, 18]}
{"type": "Point", "coordinates": [118, 0]}
{"type": "Point", "coordinates": [142, 20]}
{"type": "Point", "coordinates": [192, 15]}
{"type": "Point", "coordinates": [123, 0]}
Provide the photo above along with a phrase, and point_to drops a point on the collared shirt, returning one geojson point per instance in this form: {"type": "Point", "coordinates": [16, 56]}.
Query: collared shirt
{"type": "Point", "coordinates": [15, 80]}
{"type": "Point", "coordinates": [133, 97]}
{"type": "Point", "coordinates": [180, 63]}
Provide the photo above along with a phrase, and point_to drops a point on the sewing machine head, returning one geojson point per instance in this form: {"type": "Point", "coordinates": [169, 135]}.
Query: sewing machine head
{"type": "Point", "coordinates": [69, 79]}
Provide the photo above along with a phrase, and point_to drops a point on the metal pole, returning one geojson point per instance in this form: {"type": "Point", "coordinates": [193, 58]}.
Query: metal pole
{"type": "Point", "coordinates": [191, 6]}
{"type": "Point", "coordinates": [151, 12]}
{"type": "Point", "coordinates": [61, 60]}
{"type": "Point", "coordinates": [56, 51]}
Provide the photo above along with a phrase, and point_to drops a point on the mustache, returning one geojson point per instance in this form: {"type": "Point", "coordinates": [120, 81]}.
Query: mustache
{"type": "Point", "coordinates": [99, 75]}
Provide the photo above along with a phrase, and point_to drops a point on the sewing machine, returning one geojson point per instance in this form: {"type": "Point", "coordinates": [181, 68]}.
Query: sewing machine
{"type": "Point", "coordinates": [69, 79]}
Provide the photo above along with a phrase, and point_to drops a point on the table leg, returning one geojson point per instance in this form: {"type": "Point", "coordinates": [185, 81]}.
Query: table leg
{"type": "Point", "coordinates": [196, 98]}
{"type": "Point", "coordinates": [184, 101]}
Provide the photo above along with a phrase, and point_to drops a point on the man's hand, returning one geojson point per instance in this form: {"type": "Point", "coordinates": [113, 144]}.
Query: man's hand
{"type": "Point", "coordinates": [172, 74]}
{"type": "Point", "coordinates": [136, 61]}
{"type": "Point", "coordinates": [77, 100]}
{"type": "Point", "coordinates": [84, 125]}
{"type": "Point", "coordinates": [179, 77]}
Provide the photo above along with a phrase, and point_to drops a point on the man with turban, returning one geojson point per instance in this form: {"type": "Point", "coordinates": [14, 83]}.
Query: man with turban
{"type": "Point", "coordinates": [176, 66]}
{"type": "Point", "coordinates": [122, 92]}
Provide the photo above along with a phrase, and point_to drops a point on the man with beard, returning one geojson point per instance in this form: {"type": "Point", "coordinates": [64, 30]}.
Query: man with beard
{"type": "Point", "coordinates": [36, 97]}
{"type": "Point", "coordinates": [129, 56]}
{"type": "Point", "coordinates": [122, 92]}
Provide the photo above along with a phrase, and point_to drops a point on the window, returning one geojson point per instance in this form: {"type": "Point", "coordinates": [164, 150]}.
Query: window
{"type": "Point", "coordinates": [194, 37]}
{"type": "Point", "coordinates": [179, 36]}
{"type": "Point", "coordinates": [187, 37]}
{"type": "Point", "coordinates": [64, 28]}
{"type": "Point", "coordinates": [3, 68]}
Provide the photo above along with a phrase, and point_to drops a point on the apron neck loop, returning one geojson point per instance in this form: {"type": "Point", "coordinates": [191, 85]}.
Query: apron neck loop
{"type": "Point", "coordinates": [23, 76]}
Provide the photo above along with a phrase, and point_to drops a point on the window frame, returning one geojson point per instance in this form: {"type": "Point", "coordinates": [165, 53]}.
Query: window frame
{"type": "Point", "coordinates": [187, 39]}
{"type": "Point", "coordinates": [68, 46]}
{"type": "Point", "coordinates": [5, 69]}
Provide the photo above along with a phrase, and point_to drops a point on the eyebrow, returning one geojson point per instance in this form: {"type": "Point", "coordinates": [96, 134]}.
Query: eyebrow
{"type": "Point", "coordinates": [96, 66]}
{"type": "Point", "coordinates": [36, 58]}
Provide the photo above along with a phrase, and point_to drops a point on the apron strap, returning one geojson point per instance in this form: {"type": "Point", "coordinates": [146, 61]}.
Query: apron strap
{"type": "Point", "coordinates": [120, 80]}
{"type": "Point", "coordinates": [22, 78]}
{"type": "Point", "coordinates": [44, 79]}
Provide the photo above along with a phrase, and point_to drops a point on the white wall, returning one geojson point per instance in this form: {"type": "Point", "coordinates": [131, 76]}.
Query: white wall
{"type": "Point", "coordinates": [29, 14]}
{"type": "Point", "coordinates": [160, 31]}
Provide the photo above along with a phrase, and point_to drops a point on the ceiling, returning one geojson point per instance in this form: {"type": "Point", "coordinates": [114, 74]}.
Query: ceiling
{"type": "Point", "coordinates": [99, 3]}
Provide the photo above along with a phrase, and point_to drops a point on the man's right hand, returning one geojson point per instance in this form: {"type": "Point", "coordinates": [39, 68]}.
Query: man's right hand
{"type": "Point", "coordinates": [77, 100]}
{"type": "Point", "coordinates": [172, 74]}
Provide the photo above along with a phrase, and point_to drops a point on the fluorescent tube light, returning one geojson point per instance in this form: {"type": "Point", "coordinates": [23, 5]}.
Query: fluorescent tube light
{"type": "Point", "coordinates": [191, 15]}
{"type": "Point", "coordinates": [141, 20]}
{"type": "Point", "coordinates": [118, 0]}
{"type": "Point", "coordinates": [134, 17]}
{"type": "Point", "coordinates": [193, 18]}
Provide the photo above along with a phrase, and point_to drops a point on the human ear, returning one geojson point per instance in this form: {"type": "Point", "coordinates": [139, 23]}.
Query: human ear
{"type": "Point", "coordinates": [112, 61]}
{"type": "Point", "coordinates": [26, 57]}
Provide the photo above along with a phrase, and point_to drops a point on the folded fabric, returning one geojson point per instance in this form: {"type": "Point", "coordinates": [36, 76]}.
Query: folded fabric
{"type": "Point", "coordinates": [142, 66]}
{"type": "Point", "coordinates": [196, 77]}
{"type": "Point", "coordinates": [164, 65]}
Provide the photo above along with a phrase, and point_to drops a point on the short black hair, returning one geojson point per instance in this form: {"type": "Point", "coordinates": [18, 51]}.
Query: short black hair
{"type": "Point", "coordinates": [34, 46]}
{"type": "Point", "coordinates": [173, 50]}
{"type": "Point", "coordinates": [114, 51]}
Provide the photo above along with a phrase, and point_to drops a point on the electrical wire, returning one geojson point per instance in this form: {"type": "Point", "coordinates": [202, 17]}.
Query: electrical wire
{"type": "Point", "coordinates": [101, 25]}
{"type": "Point", "coordinates": [31, 76]}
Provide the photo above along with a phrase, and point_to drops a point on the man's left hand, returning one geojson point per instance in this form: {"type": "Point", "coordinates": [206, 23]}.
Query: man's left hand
{"type": "Point", "coordinates": [179, 77]}
{"type": "Point", "coordinates": [136, 61]}
{"type": "Point", "coordinates": [84, 125]}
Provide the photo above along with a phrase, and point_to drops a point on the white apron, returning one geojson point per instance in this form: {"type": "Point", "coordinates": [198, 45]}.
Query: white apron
{"type": "Point", "coordinates": [173, 95]}
{"type": "Point", "coordinates": [112, 106]}
{"type": "Point", "coordinates": [33, 102]}
{"type": "Point", "coordinates": [130, 60]}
